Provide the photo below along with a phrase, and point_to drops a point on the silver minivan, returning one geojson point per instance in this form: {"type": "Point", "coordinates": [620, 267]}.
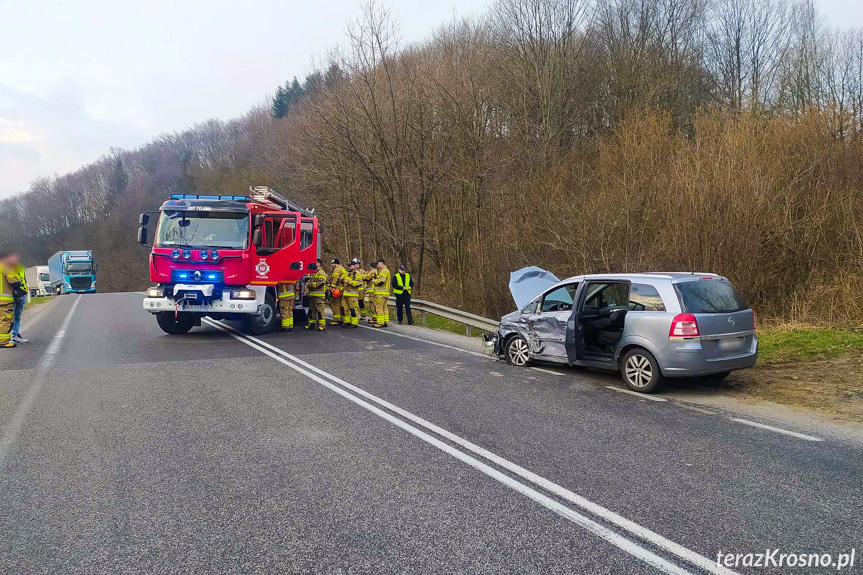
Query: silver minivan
{"type": "Point", "coordinates": [648, 326]}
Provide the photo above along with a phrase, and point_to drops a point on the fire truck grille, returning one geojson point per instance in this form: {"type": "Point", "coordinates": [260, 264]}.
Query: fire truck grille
{"type": "Point", "coordinates": [80, 283]}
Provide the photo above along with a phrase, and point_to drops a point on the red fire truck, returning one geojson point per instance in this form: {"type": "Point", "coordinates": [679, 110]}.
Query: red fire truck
{"type": "Point", "coordinates": [222, 256]}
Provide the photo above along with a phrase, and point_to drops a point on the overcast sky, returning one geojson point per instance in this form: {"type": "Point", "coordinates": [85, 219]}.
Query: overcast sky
{"type": "Point", "coordinates": [80, 76]}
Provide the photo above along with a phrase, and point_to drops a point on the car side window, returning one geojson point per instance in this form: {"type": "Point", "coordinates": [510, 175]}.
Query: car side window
{"type": "Point", "coordinates": [606, 295]}
{"type": "Point", "coordinates": [530, 308]}
{"type": "Point", "coordinates": [559, 299]}
{"type": "Point", "coordinates": [644, 297]}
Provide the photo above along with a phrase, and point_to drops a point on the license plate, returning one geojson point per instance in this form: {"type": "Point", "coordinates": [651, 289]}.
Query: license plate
{"type": "Point", "coordinates": [196, 308]}
{"type": "Point", "coordinates": [731, 344]}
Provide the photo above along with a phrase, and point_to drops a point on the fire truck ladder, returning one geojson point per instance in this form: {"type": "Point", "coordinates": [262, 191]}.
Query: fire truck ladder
{"type": "Point", "coordinates": [267, 196]}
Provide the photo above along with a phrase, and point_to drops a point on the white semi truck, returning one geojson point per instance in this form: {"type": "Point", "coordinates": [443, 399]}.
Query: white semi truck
{"type": "Point", "coordinates": [38, 281]}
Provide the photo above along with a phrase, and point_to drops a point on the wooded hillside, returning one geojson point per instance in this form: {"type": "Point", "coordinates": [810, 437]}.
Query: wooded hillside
{"type": "Point", "coordinates": [616, 135]}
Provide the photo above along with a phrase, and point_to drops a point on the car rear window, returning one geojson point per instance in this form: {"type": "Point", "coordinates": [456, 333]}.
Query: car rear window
{"type": "Point", "coordinates": [710, 296]}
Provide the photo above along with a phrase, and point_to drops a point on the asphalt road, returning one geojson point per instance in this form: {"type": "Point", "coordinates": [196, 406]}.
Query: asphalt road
{"type": "Point", "coordinates": [125, 450]}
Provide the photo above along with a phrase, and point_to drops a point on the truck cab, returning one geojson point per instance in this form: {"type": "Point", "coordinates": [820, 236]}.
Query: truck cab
{"type": "Point", "coordinates": [72, 271]}
{"type": "Point", "coordinates": [222, 256]}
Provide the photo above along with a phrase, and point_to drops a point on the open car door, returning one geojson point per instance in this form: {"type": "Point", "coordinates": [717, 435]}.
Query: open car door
{"type": "Point", "coordinates": [596, 324]}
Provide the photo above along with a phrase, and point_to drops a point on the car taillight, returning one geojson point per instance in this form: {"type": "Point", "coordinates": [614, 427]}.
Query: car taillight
{"type": "Point", "coordinates": [683, 325]}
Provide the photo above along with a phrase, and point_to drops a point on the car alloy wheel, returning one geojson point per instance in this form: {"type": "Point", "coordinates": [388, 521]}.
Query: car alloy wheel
{"type": "Point", "coordinates": [639, 372]}
{"type": "Point", "coordinates": [518, 352]}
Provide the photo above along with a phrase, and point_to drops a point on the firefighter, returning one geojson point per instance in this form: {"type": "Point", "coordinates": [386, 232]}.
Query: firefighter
{"type": "Point", "coordinates": [402, 286]}
{"type": "Point", "coordinates": [361, 300]}
{"type": "Point", "coordinates": [10, 287]}
{"type": "Point", "coordinates": [369, 276]}
{"type": "Point", "coordinates": [382, 291]}
{"type": "Point", "coordinates": [334, 283]}
{"type": "Point", "coordinates": [317, 285]}
{"type": "Point", "coordinates": [287, 296]}
{"type": "Point", "coordinates": [350, 297]}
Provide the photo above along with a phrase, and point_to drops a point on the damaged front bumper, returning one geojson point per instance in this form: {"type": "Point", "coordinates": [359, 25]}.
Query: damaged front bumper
{"type": "Point", "coordinates": [491, 344]}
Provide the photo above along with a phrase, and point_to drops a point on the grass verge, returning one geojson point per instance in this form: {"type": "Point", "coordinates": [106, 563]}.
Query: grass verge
{"type": "Point", "coordinates": [813, 368]}
{"type": "Point", "coordinates": [40, 300]}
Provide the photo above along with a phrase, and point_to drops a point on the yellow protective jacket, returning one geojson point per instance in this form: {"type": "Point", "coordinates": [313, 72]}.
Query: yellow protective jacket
{"type": "Point", "coordinates": [382, 281]}
{"type": "Point", "coordinates": [317, 284]}
{"type": "Point", "coordinates": [21, 272]}
{"type": "Point", "coordinates": [369, 276]}
{"type": "Point", "coordinates": [353, 281]}
{"type": "Point", "coordinates": [336, 276]}
{"type": "Point", "coordinates": [8, 280]}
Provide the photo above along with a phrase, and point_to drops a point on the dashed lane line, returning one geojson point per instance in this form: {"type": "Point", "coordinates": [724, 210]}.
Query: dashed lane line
{"type": "Point", "coordinates": [776, 429]}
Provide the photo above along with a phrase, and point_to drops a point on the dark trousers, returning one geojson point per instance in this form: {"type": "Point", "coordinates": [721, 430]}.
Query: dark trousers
{"type": "Point", "coordinates": [404, 300]}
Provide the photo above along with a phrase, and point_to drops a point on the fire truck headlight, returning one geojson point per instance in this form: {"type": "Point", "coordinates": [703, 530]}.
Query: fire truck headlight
{"type": "Point", "coordinates": [187, 254]}
{"type": "Point", "coordinates": [243, 294]}
{"type": "Point", "coordinates": [204, 254]}
{"type": "Point", "coordinates": [214, 254]}
{"type": "Point", "coordinates": [155, 292]}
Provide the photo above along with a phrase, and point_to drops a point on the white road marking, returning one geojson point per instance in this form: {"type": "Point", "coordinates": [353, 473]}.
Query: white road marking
{"type": "Point", "coordinates": [621, 522]}
{"type": "Point", "coordinates": [13, 428]}
{"type": "Point", "coordinates": [635, 393]}
{"type": "Point", "coordinates": [543, 370]}
{"type": "Point", "coordinates": [383, 330]}
{"type": "Point", "coordinates": [776, 429]}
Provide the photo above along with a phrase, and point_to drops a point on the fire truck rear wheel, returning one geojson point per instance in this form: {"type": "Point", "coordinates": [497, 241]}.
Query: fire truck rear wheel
{"type": "Point", "coordinates": [178, 325]}
{"type": "Point", "coordinates": [265, 320]}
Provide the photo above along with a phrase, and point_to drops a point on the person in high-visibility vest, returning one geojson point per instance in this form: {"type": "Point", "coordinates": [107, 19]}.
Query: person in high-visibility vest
{"type": "Point", "coordinates": [402, 286]}
{"type": "Point", "coordinates": [20, 301]}
{"type": "Point", "coordinates": [317, 286]}
{"type": "Point", "coordinates": [381, 285]}
{"type": "Point", "coordinates": [10, 286]}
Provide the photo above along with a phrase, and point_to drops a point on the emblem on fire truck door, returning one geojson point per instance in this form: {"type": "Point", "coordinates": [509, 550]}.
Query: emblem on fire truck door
{"type": "Point", "coordinates": [263, 268]}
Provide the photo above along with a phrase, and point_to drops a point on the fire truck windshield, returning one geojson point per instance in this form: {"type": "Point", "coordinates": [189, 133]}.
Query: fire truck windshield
{"type": "Point", "coordinates": [227, 230]}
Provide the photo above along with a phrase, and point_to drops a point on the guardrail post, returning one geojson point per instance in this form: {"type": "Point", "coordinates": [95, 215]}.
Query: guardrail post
{"type": "Point", "coordinates": [467, 330]}
{"type": "Point", "coordinates": [423, 320]}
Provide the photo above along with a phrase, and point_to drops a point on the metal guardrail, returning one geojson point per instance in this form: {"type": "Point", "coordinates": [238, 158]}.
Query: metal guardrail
{"type": "Point", "coordinates": [468, 319]}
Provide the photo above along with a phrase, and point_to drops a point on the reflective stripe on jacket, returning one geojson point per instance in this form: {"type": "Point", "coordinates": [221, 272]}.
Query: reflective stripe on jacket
{"type": "Point", "coordinates": [317, 284]}
{"type": "Point", "coordinates": [7, 280]}
{"type": "Point", "coordinates": [402, 283]}
{"type": "Point", "coordinates": [353, 280]}
{"type": "Point", "coordinates": [382, 282]}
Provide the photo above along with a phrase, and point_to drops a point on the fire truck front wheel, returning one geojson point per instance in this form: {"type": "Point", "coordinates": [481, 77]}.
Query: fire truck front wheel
{"type": "Point", "coordinates": [265, 320]}
{"type": "Point", "coordinates": [178, 325]}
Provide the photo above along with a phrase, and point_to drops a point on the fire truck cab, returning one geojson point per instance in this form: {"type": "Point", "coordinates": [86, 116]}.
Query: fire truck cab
{"type": "Point", "coordinates": [222, 256]}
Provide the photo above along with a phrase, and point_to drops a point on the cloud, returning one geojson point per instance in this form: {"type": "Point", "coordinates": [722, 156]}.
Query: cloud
{"type": "Point", "coordinates": [43, 134]}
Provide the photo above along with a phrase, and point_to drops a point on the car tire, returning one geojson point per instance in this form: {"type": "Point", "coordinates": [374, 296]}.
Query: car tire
{"type": "Point", "coordinates": [640, 371]}
{"type": "Point", "coordinates": [517, 352]}
{"type": "Point", "coordinates": [178, 325]}
{"type": "Point", "coordinates": [264, 321]}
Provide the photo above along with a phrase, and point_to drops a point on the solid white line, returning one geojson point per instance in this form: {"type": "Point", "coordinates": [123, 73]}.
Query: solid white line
{"type": "Point", "coordinates": [384, 330]}
{"type": "Point", "coordinates": [776, 429]}
{"type": "Point", "coordinates": [610, 516]}
{"type": "Point", "coordinates": [13, 428]}
{"type": "Point", "coordinates": [635, 393]}
{"type": "Point", "coordinates": [597, 529]}
{"type": "Point", "coordinates": [543, 370]}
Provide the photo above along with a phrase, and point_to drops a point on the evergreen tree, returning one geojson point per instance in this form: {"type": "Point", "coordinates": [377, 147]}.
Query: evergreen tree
{"type": "Point", "coordinates": [280, 102]}
{"type": "Point", "coordinates": [118, 181]}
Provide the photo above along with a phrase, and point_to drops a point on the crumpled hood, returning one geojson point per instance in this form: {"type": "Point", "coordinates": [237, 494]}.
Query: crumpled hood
{"type": "Point", "coordinates": [527, 283]}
